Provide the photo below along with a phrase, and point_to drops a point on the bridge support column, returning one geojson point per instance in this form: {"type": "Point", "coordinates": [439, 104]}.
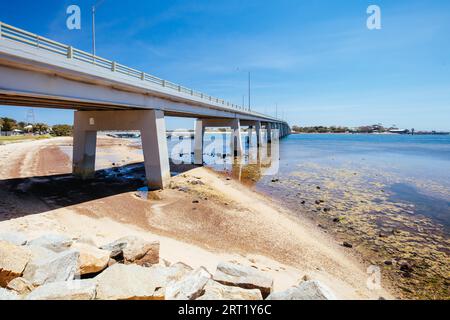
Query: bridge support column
{"type": "Point", "coordinates": [250, 136]}
{"type": "Point", "coordinates": [150, 123]}
{"type": "Point", "coordinates": [198, 141]}
{"type": "Point", "coordinates": [84, 146]}
{"type": "Point", "coordinates": [269, 132]}
{"type": "Point", "coordinates": [236, 140]}
{"type": "Point", "coordinates": [258, 134]}
{"type": "Point", "coordinates": [154, 145]}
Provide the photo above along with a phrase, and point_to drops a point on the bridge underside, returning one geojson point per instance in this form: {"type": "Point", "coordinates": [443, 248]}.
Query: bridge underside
{"type": "Point", "coordinates": [105, 100]}
{"type": "Point", "coordinates": [151, 124]}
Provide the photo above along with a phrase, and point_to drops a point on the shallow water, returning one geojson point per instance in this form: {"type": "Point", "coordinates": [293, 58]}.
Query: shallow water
{"type": "Point", "coordinates": [389, 195]}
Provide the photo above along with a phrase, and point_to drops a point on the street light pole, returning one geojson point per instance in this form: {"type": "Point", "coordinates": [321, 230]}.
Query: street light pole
{"type": "Point", "coordinates": [249, 91]}
{"type": "Point", "coordinates": [93, 31]}
{"type": "Point", "coordinates": [96, 5]}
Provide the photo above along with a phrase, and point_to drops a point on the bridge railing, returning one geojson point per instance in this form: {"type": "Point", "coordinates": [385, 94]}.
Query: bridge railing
{"type": "Point", "coordinates": [15, 34]}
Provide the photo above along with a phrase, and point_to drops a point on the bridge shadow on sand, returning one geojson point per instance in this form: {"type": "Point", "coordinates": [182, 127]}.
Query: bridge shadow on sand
{"type": "Point", "coordinates": [32, 195]}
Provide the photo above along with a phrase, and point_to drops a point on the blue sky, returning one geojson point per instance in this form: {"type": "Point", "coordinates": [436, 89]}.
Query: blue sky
{"type": "Point", "coordinates": [315, 59]}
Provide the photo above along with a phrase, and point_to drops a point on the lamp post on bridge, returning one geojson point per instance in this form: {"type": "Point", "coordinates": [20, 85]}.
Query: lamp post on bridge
{"type": "Point", "coordinates": [93, 25]}
{"type": "Point", "coordinates": [249, 90]}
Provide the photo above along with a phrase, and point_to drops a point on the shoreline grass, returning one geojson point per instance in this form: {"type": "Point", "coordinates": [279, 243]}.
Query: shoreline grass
{"type": "Point", "coordinates": [13, 139]}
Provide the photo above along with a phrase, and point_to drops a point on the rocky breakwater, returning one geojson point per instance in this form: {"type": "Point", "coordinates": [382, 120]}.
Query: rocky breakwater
{"type": "Point", "coordinates": [56, 267]}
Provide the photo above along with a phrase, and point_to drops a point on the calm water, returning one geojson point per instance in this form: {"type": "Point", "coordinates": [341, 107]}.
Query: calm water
{"type": "Point", "coordinates": [388, 195]}
{"type": "Point", "coordinates": [414, 169]}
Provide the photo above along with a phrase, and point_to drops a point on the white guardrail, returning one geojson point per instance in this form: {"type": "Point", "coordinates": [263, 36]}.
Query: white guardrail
{"type": "Point", "coordinates": [15, 34]}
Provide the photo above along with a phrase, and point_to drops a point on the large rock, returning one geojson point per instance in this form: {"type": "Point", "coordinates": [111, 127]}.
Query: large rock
{"type": "Point", "coordinates": [17, 238]}
{"type": "Point", "coordinates": [134, 250]}
{"type": "Point", "coordinates": [189, 287]}
{"type": "Point", "coordinates": [216, 291]}
{"type": "Point", "coordinates": [13, 260]}
{"type": "Point", "coordinates": [20, 285]}
{"type": "Point", "coordinates": [8, 295]}
{"type": "Point", "coordinates": [65, 290]}
{"type": "Point", "coordinates": [242, 276]}
{"type": "Point", "coordinates": [175, 272]}
{"type": "Point", "coordinates": [307, 290]}
{"type": "Point", "coordinates": [128, 282]}
{"type": "Point", "coordinates": [54, 242]}
{"type": "Point", "coordinates": [92, 259]}
{"type": "Point", "coordinates": [53, 268]}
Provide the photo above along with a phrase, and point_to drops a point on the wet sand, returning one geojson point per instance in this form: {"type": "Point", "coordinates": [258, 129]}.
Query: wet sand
{"type": "Point", "coordinates": [204, 218]}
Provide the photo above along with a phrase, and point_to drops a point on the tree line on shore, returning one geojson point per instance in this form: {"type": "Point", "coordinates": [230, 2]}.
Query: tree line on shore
{"type": "Point", "coordinates": [9, 125]}
{"type": "Point", "coordinates": [340, 129]}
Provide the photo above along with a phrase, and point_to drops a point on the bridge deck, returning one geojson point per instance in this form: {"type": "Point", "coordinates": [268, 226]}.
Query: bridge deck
{"type": "Point", "coordinates": [36, 71]}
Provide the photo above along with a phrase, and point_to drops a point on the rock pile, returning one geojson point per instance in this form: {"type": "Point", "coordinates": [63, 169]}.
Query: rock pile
{"type": "Point", "coordinates": [56, 267]}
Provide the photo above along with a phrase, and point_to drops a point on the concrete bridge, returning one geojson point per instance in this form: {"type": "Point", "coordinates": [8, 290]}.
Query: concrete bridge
{"type": "Point", "coordinates": [39, 72]}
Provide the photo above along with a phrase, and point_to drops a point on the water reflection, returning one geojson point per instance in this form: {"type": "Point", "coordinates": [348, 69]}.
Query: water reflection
{"type": "Point", "coordinates": [254, 162]}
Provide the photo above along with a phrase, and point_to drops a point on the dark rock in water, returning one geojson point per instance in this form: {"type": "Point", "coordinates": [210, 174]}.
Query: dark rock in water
{"type": "Point", "coordinates": [228, 178]}
{"type": "Point", "coordinates": [318, 188]}
{"type": "Point", "coordinates": [317, 202]}
{"type": "Point", "coordinates": [336, 219]}
{"type": "Point", "coordinates": [195, 201]}
{"type": "Point", "coordinates": [303, 202]}
{"type": "Point", "coordinates": [347, 244]}
{"type": "Point", "coordinates": [407, 274]}
{"type": "Point", "coordinates": [326, 209]}
{"type": "Point", "coordinates": [406, 267]}
{"type": "Point", "coordinates": [388, 262]}
{"type": "Point", "coordinates": [183, 189]}
{"type": "Point", "coordinates": [275, 180]}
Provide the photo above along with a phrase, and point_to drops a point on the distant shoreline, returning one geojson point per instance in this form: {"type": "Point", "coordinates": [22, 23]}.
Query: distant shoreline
{"type": "Point", "coordinates": [380, 133]}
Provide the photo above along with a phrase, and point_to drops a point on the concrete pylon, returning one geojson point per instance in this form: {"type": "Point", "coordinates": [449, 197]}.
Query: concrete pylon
{"type": "Point", "coordinates": [258, 133]}
{"type": "Point", "coordinates": [269, 132]}
{"type": "Point", "coordinates": [236, 140]}
{"type": "Point", "coordinates": [198, 141]}
{"type": "Point", "coordinates": [150, 123]}
{"type": "Point", "coordinates": [250, 136]}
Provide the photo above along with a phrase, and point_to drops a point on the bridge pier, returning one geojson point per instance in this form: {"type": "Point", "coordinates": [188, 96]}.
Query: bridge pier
{"type": "Point", "coordinates": [269, 132]}
{"type": "Point", "coordinates": [253, 125]}
{"type": "Point", "coordinates": [150, 123]}
{"type": "Point", "coordinates": [235, 139]}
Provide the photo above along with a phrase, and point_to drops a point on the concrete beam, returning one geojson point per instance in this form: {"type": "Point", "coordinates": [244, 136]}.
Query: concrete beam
{"type": "Point", "coordinates": [151, 124]}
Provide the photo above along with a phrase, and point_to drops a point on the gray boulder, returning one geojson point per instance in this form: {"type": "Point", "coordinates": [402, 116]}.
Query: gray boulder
{"type": "Point", "coordinates": [189, 287]}
{"type": "Point", "coordinates": [216, 291]}
{"type": "Point", "coordinates": [307, 290]}
{"type": "Point", "coordinates": [244, 277]}
{"type": "Point", "coordinates": [13, 260]}
{"type": "Point", "coordinates": [65, 290]}
{"type": "Point", "coordinates": [17, 238]}
{"type": "Point", "coordinates": [164, 274]}
{"type": "Point", "coordinates": [54, 242]}
{"type": "Point", "coordinates": [128, 282]}
{"type": "Point", "coordinates": [8, 295]}
{"type": "Point", "coordinates": [20, 285]}
{"type": "Point", "coordinates": [54, 268]}
{"type": "Point", "coordinates": [134, 250]}
{"type": "Point", "coordinates": [92, 259]}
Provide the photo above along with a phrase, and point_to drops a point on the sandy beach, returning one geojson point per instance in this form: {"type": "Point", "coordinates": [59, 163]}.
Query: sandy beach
{"type": "Point", "coordinates": [202, 219]}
